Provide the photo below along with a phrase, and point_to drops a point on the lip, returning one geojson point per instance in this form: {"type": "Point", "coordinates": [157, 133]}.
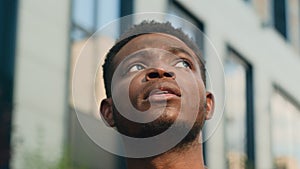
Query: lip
{"type": "Point", "coordinates": [161, 97]}
{"type": "Point", "coordinates": [162, 91]}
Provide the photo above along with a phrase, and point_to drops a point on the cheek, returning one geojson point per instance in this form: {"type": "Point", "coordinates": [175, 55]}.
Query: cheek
{"type": "Point", "coordinates": [202, 94]}
{"type": "Point", "coordinates": [193, 88]}
{"type": "Point", "coordinates": [119, 88]}
{"type": "Point", "coordinates": [135, 86]}
{"type": "Point", "coordinates": [202, 101]}
{"type": "Point", "coordinates": [120, 91]}
{"type": "Point", "coordinates": [190, 81]}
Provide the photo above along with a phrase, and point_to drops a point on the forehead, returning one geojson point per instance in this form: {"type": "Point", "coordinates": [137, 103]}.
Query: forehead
{"type": "Point", "coordinates": [153, 40]}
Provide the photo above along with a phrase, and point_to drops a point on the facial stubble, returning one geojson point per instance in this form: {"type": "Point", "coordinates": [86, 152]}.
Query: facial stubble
{"type": "Point", "coordinates": [160, 125]}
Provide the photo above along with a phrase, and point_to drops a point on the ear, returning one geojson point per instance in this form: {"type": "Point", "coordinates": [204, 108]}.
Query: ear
{"type": "Point", "coordinates": [210, 105]}
{"type": "Point", "coordinates": [106, 112]}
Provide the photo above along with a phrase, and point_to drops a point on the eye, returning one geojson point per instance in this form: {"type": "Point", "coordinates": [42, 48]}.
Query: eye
{"type": "Point", "coordinates": [136, 67]}
{"type": "Point", "coordinates": [183, 64]}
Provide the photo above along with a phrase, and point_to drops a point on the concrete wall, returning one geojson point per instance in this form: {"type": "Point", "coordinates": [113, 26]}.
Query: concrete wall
{"type": "Point", "coordinates": [241, 25]}
{"type": "Point", "coordinates": [40, 100]}
{"type": "Point", "coordinates": [40, 119]}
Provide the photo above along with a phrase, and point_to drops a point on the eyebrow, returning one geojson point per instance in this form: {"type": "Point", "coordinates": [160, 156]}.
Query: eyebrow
{"type": "Point", "coordinates": [172, 49]}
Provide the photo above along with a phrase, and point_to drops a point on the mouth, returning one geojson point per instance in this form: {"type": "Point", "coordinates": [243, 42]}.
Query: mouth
{"type": "Point", "coordinates": [162, 93]}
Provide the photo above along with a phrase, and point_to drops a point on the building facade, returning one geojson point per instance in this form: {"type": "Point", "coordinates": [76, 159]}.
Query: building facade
{"type": "Point", "coordinates": [258, 42]}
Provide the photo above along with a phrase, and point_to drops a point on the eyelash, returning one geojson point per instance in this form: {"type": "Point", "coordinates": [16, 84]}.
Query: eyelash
{"type": "Point", "coordinates": [137, 64]}
{"type": "Point", "coordinates": [186, 62]}
{"type": "Point", "coordinates": [189, 65]}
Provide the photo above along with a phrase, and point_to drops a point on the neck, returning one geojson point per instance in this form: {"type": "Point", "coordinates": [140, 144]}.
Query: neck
{"type": "Point", "coordinates": [188, 157]}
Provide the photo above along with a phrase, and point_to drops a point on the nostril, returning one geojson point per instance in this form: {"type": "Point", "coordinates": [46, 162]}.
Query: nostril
{"type": "Point", "coordinates": [153, 75]}
{"type": "Point", "coordinates": [168, 74]}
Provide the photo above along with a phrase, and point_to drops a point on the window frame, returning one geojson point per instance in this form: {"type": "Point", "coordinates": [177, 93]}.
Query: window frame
{"type": "Point", "coordinates": [288, 98]}
{"type": "Point", "coordinates": [286, 17]}
{"type": "Point", "coordinates": [125, 8]}
{"type": "Point", "coordinates": [250, 114]}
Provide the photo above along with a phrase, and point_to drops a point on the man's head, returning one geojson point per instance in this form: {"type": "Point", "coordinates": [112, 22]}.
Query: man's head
{"type": "Point", "coordinates": [160, 70]}
{"type": "Point", "coordinates": [146, 28]}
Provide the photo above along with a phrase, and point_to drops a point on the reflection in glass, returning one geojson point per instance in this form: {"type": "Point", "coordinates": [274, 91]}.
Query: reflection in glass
{"type": "Point", "coordinates": [174, 8]}
{"type": "Point", "coordinates": [235, 115]}
{"type": "Point", "coordinates": [285, 128]}
{"type": "Point", "coordinates": [87, 17]}
{"type": "Point", "coordinates": [82, 14]}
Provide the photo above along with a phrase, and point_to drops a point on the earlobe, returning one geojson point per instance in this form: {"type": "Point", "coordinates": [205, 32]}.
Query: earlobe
{"type": "Point", "coordinates": [106, 112]}
{"type": "Point", "coordinates": [210, 105]}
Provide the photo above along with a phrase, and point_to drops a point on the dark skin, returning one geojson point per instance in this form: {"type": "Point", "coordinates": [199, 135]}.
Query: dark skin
{"type": "Point", "coordinates": [152, 66]}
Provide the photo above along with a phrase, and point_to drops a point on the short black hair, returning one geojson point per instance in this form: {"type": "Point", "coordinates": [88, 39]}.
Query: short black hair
{"type": "Point", "coordinates": [147, 27]}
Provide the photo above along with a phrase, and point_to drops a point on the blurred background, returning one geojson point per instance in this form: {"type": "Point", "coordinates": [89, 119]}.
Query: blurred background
{"type": "Point", "coordinates": [258, 42]}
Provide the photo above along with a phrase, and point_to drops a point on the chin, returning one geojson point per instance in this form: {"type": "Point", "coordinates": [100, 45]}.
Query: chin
{"type": "Point", "coordinates": [158, 126]}
{"type": "Point", "coordinates": [167, 113]}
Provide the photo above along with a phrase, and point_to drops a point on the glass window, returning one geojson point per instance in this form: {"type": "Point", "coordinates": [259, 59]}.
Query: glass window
{"type": "Point", "coordinates": [87, 17]}
{"type": "Point", "coordinates": [239, 136]}
{"type": "Point", "coordinates": [279, 17]}
{"type": "Point", "coordinates": [285, 131]}
{"type": "Point", "coordinates": [83, 14]}
{"type": "Point", "coordinates": [107, 11]}
{"type": "Point", "coordinates": [175, 8]}
{"type": "Point", "coordinates": [90, 15]}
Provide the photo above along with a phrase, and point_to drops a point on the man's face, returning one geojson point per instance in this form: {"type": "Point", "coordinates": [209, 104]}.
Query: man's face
{"type": "Point", "coordinates": [160, 76]}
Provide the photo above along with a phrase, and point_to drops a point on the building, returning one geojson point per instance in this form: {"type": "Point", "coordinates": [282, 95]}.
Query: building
{"type": "Point", "coordinates": [258, 42]}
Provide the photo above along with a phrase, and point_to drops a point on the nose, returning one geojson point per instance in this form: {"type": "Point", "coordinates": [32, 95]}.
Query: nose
{"type": "Point", "coordinates": [153, 74]}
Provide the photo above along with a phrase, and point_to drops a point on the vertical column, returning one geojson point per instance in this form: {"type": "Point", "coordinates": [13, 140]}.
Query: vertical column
{"type": "Point", "coordinates": [40, 102]}
{"type": "Point", "coordinates": [263, 142]}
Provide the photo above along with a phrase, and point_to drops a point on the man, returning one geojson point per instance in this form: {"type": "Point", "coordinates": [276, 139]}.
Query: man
{"type": "Point", "coordinates": [154, 78]}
